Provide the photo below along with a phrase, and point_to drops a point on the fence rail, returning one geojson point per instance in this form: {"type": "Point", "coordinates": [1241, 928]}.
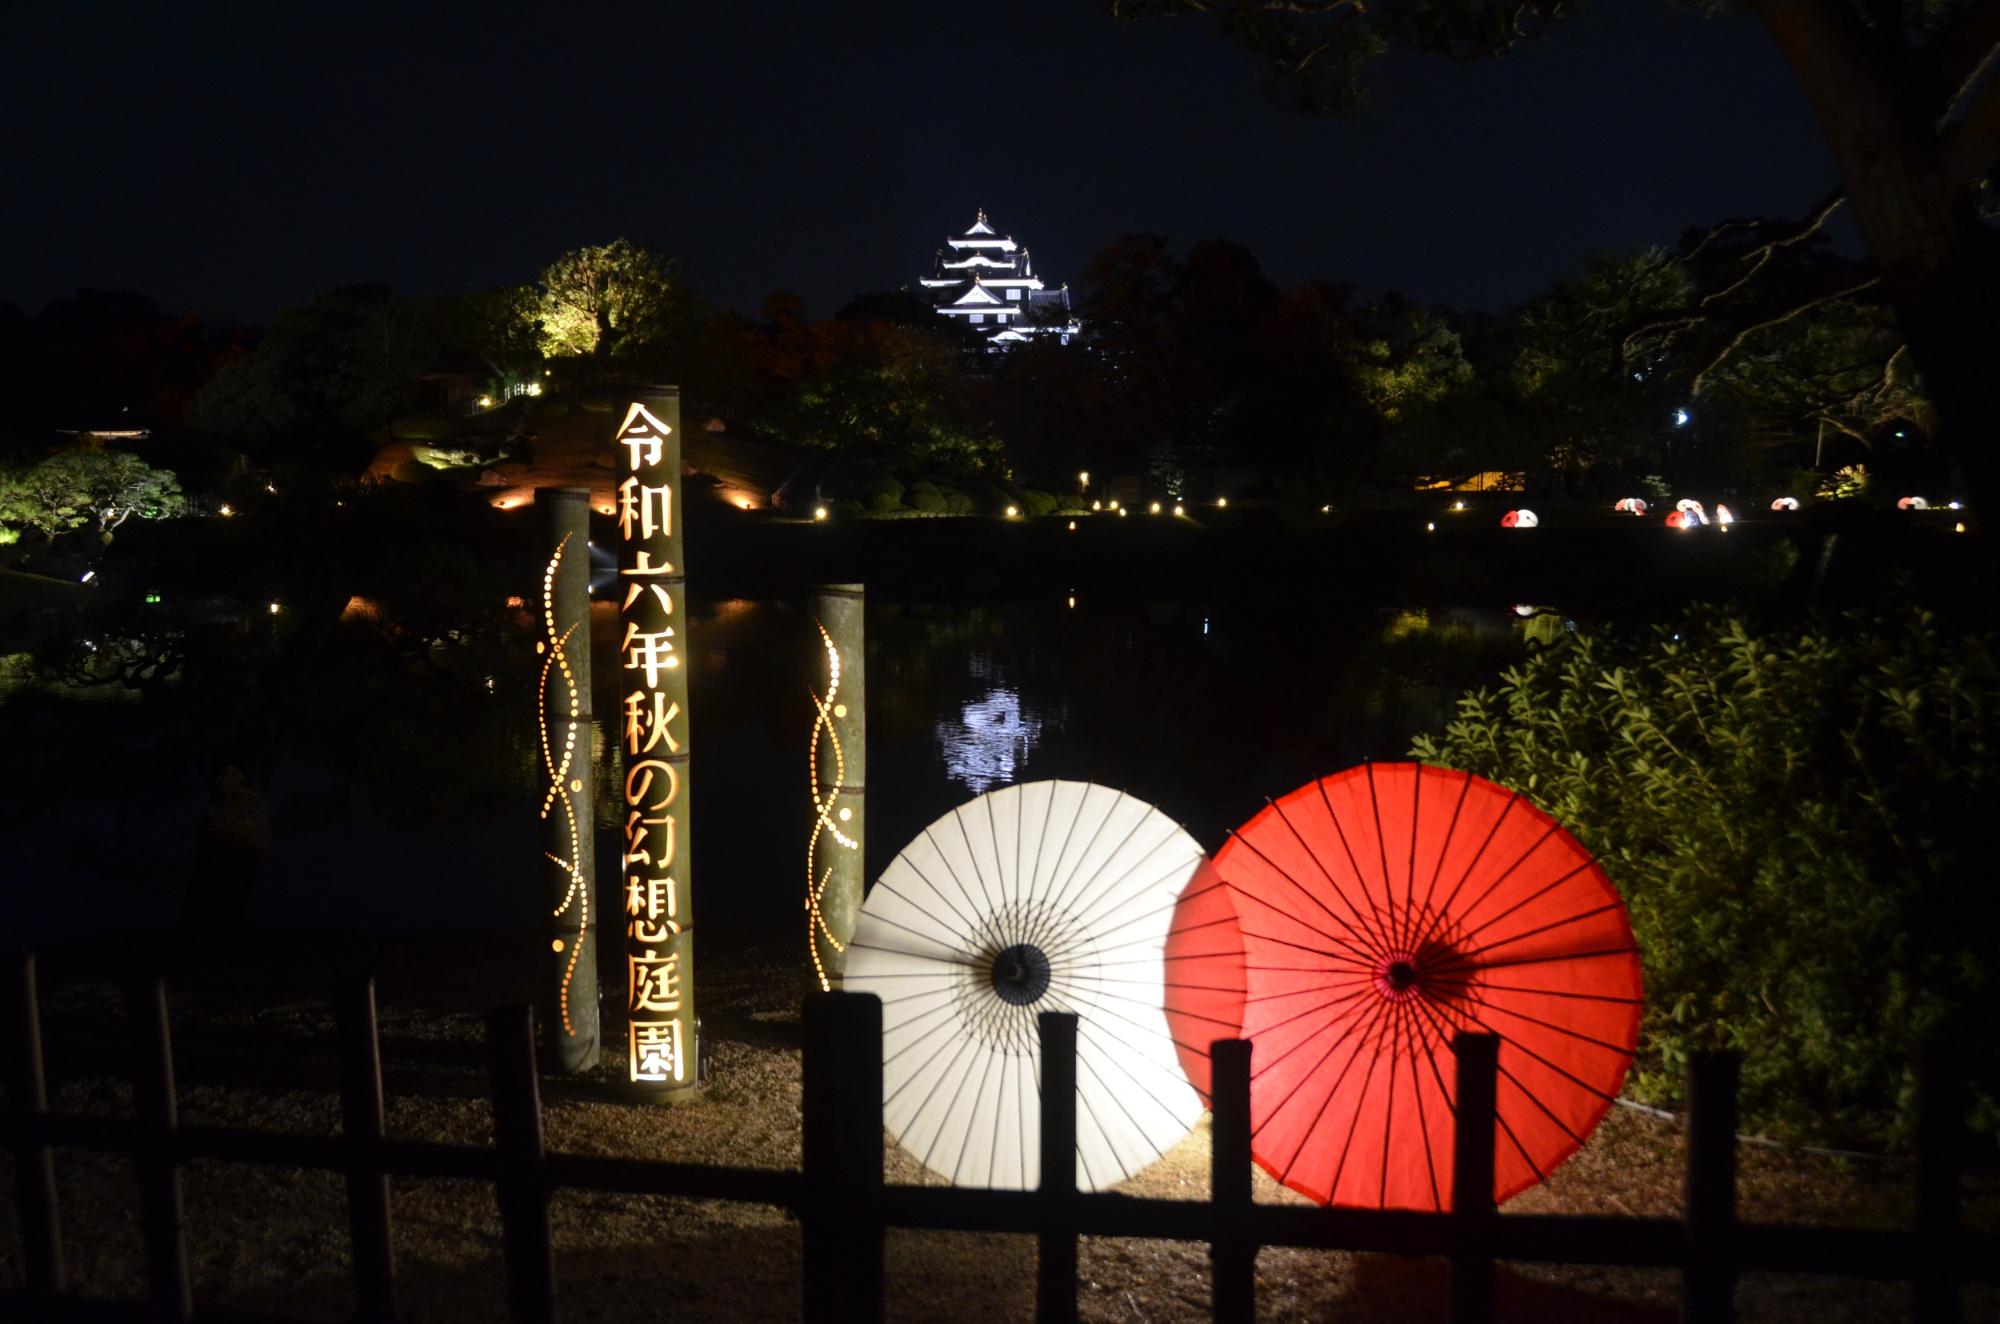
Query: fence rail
{"type": "Point", "coordinates": [844, 1207]}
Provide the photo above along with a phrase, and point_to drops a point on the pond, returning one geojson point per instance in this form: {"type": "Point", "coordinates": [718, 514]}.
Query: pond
{"type": "Point", "coordinates": [1202, 708]}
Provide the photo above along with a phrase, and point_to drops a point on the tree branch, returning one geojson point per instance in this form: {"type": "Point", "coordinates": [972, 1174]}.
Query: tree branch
{"type": "Point", "coordinates": [1972, 141]}
{"type": "Point", "coordinates": [1796, 233]}
{"type": "Point", "coordinates": [1839, 290]}
{"type": "Point", "coordinates": [1963, 52]}
{"type": "Point", "coordinates": [1791, 235]}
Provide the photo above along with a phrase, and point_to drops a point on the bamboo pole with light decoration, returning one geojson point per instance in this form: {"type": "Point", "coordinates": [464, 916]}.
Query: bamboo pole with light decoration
{"type": "Point", "coordinates": [838, 759]}
{"type": "Point", "coordinates": [563, 715]}
{"type": "Point", "coordinates": [662, 1054]}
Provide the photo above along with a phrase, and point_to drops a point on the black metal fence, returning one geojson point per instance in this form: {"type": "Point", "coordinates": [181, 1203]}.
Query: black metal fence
{"type": "Point", "coordinates": [844, 1206]}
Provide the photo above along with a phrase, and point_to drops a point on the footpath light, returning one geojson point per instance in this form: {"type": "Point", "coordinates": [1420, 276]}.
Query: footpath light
{"type": "Point", "coordinates": [1072, 526]}
{"type": "Point", "coordinates": [1222, 503]}
{"type": "Point", "coordinates": [1178, 509]}
{"type": "Point", "coordinates": [1012, 511]}
{"type": "Point", "coordinates": [819, 512]}
{"type": "Point", "coordinates": [1097, 505]}
{"type": "Point", "coordinates": [225, 510]}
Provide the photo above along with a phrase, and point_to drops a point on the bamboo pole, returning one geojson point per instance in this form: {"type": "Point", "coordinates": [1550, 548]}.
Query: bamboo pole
{"type": "Point", "coordinates": [835, 875]}
{"type": "Point", "coordinates": [662, 1054]}
{"type": "Point", "coordinates": [569, 991]}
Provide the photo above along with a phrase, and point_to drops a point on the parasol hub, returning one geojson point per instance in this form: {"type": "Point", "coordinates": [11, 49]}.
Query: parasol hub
{"type": "Point", "coordinates": [1021, 974]}
{"type": "Point", "coordinates": [1399, 976]}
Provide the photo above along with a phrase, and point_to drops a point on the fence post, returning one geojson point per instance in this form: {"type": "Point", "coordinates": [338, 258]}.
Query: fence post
{"type": "Point", "coordinates": [156, 1120]}
{"type": "Point", "coordinates": [1233, 1251]}
{"type": "Point", "coordinates": [1472, 1208]}
{"type": "Point", "coordinates": [841, 1205]}
{"type": "Point", "coordinates": [362, 1128]}
{"type": "Point", "coordinates": [1934, 1290]}
{"type": "Point", "coordinates": [522, 1188]}
{"type": "Point", "coordinates": [1055, 1255]}
{"type": "Point", "coordinates": [34, 1159]}
{"type": "Point", "coordinates": [1708, 1293]}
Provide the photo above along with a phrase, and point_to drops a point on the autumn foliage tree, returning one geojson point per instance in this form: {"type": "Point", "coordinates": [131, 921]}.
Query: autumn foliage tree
{"type": "Point", "coordinates": [615, 302]}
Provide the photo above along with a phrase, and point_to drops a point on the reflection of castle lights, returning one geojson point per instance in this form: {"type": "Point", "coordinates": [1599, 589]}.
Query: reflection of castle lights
{"type": "Point", "coordinates": [989, 741]}
{"type": "Point", "coordinates": [603, 568]}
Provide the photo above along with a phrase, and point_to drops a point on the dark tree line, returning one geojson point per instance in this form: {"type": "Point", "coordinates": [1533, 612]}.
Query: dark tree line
{"type": "Point", "coordinates": [1748, 354]}
{"type": "Point", "coordinates": [1903, 90]}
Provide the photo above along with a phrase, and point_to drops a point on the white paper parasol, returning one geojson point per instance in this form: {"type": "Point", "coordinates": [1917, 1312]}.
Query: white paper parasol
{"type": "Point", "coordinates": [1049, 896]}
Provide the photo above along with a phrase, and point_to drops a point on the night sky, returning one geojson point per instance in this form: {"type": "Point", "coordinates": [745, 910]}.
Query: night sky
{"type": "Point", "coordinates": [235, 159]}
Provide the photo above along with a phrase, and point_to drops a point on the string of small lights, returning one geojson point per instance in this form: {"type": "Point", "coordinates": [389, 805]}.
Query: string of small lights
{"type": "Point", "coordinates": [556, 657]}
{"type": "Point", "coordinates": [824, 821]}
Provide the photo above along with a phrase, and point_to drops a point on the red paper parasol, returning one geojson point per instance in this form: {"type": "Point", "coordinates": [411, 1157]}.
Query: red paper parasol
{"type": "Point", "coordinates": [1203, 958]}
{"type": "Point", "coordinates": [1385, 909]}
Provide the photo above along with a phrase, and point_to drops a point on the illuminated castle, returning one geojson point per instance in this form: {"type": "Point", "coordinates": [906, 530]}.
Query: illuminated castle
{"type": "Point", "coordinates": [988, 281]}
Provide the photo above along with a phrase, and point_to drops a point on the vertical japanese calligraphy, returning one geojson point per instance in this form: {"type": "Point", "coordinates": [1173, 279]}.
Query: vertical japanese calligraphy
{"type": "Point", "coordinates": [563, 713]}
{"type": "Point", "coordinates": [651, 593]}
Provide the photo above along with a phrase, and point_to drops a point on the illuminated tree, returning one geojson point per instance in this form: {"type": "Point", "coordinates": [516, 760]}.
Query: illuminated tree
{"type": "Point", "coordinates": [611, 300]}
{"type": "Point", "coordinates": [1899, 92]}
{"type": "Point", "coordinates": [78, 488]}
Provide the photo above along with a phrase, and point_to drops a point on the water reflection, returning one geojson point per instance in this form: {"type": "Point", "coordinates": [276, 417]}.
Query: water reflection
{"type": "Point", "coordinates": [989, 740]}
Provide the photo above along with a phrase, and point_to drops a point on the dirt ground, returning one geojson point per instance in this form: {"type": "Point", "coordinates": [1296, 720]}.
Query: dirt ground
{"type": "Point", "coordinates": [275, 1240]}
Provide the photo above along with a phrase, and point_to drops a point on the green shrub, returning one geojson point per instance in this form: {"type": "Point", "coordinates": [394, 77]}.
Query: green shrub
{"type": "Point", "coordinates": [923, 496]}
{"type": "Point", "coordinates": [1037, 502]}
{"type": "Point", "coordinates": [880, 489]}
{"type": "Point", "coordinates": [957, 502]}
{"type": "Point", "coordinates": [1796, 819]}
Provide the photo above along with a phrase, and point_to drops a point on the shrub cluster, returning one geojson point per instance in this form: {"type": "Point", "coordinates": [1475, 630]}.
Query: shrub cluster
{"type": "Point", "coordinates": [1799, 820]}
